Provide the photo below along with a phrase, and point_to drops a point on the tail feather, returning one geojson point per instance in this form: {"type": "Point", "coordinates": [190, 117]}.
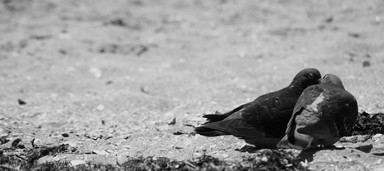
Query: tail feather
{"type": "Point", "coordinates": [215, 117]}
{"type": "Point", "coordinates": [209, 132]}
{"type": "Point", "coordinates": [283, 143]}
{"type": "Point", "coordinates": [220, 117]}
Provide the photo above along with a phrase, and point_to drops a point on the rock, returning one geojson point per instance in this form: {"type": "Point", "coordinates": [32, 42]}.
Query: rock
{"type": "Point", "coordinates": [40, 143]}
{"type": "Point", "coordinates": [366, 64]}
{"type": "Point", "coordinates": [100, 107]}
{"type": "Point", "coordinates": [96, 72]}
{"type": "Point", "coordinates": [355, 139]}
{"type": "Point", "coordinates": [16, 143]}
{"type": "Point", "coordinates": [3, 140]}
{"type": "Point", "coordinates": [377, 137]}
{"type": "Point", "coordinates": [366, 148]}
{"type": "Point", "coordinates": [4, 133]}
{"type": "Point", "coordinates": [173, 122]}
{"type": "Point", "coordinates": [70, 143]}
{"type": "Point", "coordinates": [21, 102]}
{"type": "Point", "coordinates": [77, 162]}
{"type": "Point", "coordinates": [45, 159]}
{"type": "Point", "coordinates": [121, 159]}
{"type": "Point", "coordinates": [101, 152]}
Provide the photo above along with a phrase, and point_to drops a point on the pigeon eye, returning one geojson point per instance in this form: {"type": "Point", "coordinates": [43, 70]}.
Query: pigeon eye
{"type": "Point", "coordinates": [310, 76]}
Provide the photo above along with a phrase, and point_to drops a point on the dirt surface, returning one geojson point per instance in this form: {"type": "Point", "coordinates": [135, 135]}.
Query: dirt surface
{"type": "Point", "coordinates": [118, 78]}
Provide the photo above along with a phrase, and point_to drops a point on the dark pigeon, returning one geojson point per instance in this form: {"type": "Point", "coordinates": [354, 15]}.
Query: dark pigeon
{"type": "Point", "coordinates": [322, 115]}
{"type": "Point", "coordinates": [263, 121]}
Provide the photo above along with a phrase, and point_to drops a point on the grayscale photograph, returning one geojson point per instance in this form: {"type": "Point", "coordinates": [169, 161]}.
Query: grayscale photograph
{"type": "Point", "coordinates": [211, 85]}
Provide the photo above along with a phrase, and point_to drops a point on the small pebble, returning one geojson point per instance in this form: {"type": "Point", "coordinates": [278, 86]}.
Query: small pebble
{"type": "Point", "coordinates": [96, 72]}
{"type": "Point", "coordinates": [100, 107]}
{"type": "Point", "coordinates": [377, 136]}
{"type": "Point", "coordinates": [101, 152]}
{"type": "Point", "coordinates": [197, 155]}
{"type": "Point", "coordinates": [15, 143]}
{"type": "Point", "coordinates": [21, 102]}
{"type": "Point", "coordinates": [366, 64]}
{"type": "Point", "coordinates": [264, 159]}
{"type": "Point", "coordinates": [77, 162]}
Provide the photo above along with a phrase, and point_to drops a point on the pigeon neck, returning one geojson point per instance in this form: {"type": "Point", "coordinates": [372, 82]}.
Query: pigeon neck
{"type": "Point", "coordinates": [297, 89]}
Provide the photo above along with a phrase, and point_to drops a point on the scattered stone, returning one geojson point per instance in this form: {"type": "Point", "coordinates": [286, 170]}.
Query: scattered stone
{"type": "Point", "coordinates": [93, 136]}
{"type": "Point", "coordinates": [140, 49]}
{"type": "Point", "coordinates": [144, 90]}
{"type": "Point", "coordinates": [173, 122]}
{"type": "Point", "coordinates": [96, 72]}
{"type": "Point", "coordinates": [21, 102]}
{"type": "Point", "coordinates": [354, 35]}
{"type": "Point", "coordinates": [377, 137]}
{"type": "Point", "coordinates": [121, 159]}
{"type": "Point", "coordinates": [366, 64]}
{"type": "Point", "coordinates": [329, 20]}
{"type": "Point", "coordinates": [40, 36]}
{"type": "Point", "coordinates": [117, 22]}
{"type": "Point", "coordinates": [77, 162]}
{"type": "Point", "coordinates": [100, 107]}
{"type": "Point", "coordinates": [45, 159]}
{"type": "Point", "coordinates": [355, 139]}
{"type": "Point", "coordinates": [365, 148]}
{"type": "Point", "coordinates": [125, 136]}
{"type": "Point", "coordinates": [62, 51]}
{"type": "Point", "coordinates": [127, 146]}
{"type": "Point", "coordinates": [35, 142]}
{"type": "Point", "coordinates": [108, 82]}
{"type": "Point", "coordinates": [378, 151]}
{"type": "Point", "coordinates": [100, 152]}
{"type": "Point", "coordinates": [16, 143]}
{"type": "Point", "coordinates": [65, 135]}
{"type": "Point", "coordinates": [3, 140]}
{"type": "Point", "coordinates": [64, 35]}
{"type": "Point", "coordinates": [178, 133]}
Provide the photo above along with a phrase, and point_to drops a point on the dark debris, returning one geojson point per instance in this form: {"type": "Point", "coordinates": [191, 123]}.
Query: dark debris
{"type": "Point", "coordinates": [21, 102]}
{"type": "Point", "coordinates": [369, 124]}
{"type": "Point", "coordinates": [173, 122]}
{"type": "Point", "coordinates": [25, 159]}
{"type": "Point", "coordinates": [263, 160]}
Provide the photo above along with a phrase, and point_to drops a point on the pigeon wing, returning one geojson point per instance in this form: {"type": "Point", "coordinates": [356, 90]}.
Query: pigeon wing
{"type": "Point", "coordinates": [308, 97]}
{"type": "Point", "coordinates": [346, 111]}
{"type": "Point", "coordinates": [312, 125]}
{"type": "Point", "coordinates": [235, 125]}
{"type": "Point", "coordinates": [219, 117]}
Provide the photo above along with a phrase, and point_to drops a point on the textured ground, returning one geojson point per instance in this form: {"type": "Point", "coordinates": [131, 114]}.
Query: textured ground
{"type": "Point", "coordinates": [131, 78]}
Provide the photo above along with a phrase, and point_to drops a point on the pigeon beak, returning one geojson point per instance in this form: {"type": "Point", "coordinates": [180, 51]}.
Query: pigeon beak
{"type": "Point", "coordinates": [319, 80]}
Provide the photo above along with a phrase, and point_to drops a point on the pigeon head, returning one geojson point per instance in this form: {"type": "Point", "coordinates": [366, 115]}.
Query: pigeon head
{"type": "Point", "coordinates": [332, 80]}
{"type": "Point", "coordinates": [305, 78]}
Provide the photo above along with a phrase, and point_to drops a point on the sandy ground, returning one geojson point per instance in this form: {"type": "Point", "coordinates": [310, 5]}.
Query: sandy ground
{"type": "Point", "coordinates": [109, 77]}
